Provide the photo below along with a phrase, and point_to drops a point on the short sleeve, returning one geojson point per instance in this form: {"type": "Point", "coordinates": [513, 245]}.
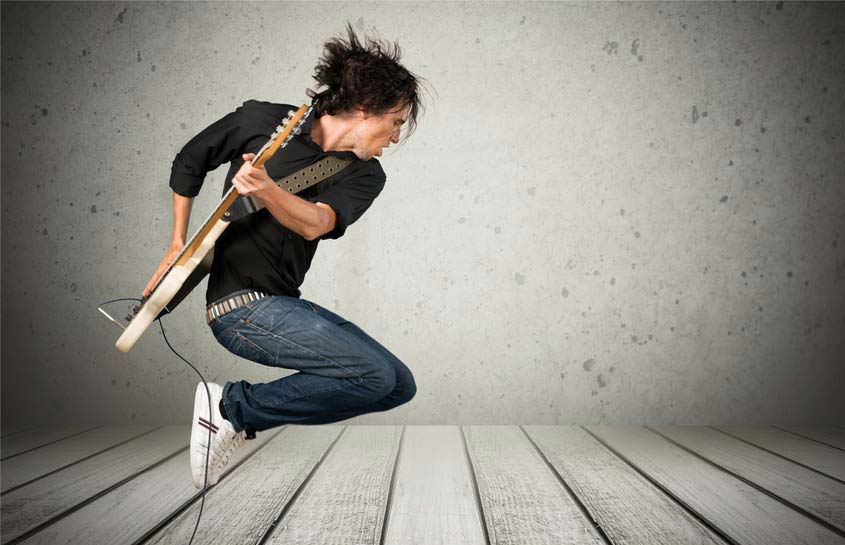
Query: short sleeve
{"type": "Point", "coordinates": [351, 197]}
{"type": "Point", "coordinates": [218, 143]}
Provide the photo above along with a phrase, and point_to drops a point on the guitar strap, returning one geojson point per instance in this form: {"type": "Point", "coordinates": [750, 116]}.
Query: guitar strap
{"type": "Point", "coordinates": [312, 174]}
{"type": "Point", "coordinates": [293, 183]}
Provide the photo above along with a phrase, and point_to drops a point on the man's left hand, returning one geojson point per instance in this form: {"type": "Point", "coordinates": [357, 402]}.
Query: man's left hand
{"type": "Point", "coordinates": [250, 180]}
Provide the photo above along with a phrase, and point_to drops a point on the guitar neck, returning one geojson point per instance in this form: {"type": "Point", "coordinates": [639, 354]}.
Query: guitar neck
{"type": "Point", "coordinates": [278, 140]}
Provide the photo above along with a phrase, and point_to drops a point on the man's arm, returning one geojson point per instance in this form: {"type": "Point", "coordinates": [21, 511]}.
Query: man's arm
{"type": "Point", "coordinates": [300, 216]}
{"type": "Point", "coordinates": [339, 206]}
{"type": "Point", "coordinates": [181, 216]}
{"type": "Point", "coordinates": [307, 219]}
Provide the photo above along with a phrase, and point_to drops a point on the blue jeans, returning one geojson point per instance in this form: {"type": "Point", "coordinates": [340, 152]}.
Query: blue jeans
{"type": "Point", "coordinates": [343, 371]}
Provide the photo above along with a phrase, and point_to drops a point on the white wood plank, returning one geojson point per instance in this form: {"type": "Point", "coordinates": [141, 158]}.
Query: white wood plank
{"type": "Point", "coordinates": [433, 498]}
{"type": "Point", "coordinates": [260, 490]}
{"type": "Point", "coordinates": [628, 508]}
{"type": "Point", "coordinates": [823, 458]}
{"type": "Point", "coordinates": [36, 503]}
{"type": "Point", "coordinates": [747, 515]}
{"type": "Point", "coordinates": [522, 499]}
{"type": "Point", "coordinates": [346, 499]}
{"type": "Point", "coordinates": [830, 435]}
{"type": "Point", "coordinates": [34, 464]}
{"type": "Point", "coordinates": [130, 511]}
{"type": "Point", "coordinates": [818, 495]}
{"type": "Point", "coordinates": [22, 442]}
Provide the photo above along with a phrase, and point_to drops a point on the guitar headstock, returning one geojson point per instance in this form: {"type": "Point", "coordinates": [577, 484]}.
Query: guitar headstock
{"type": "Point", "coordinates": [290, 126]}
{"type": "Point", "coordinates": [289, 119]}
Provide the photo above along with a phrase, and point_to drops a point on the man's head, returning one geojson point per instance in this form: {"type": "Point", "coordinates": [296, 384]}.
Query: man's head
{"type": "Point", "coordinates": [365, 82]}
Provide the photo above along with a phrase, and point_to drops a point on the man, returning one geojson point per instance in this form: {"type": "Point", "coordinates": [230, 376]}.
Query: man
{"type": "Point", "coordinates": [260, 260]}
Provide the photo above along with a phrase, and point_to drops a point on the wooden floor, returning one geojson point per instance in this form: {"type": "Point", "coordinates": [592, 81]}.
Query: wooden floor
{"type": "Point", "coordinates": [430, 485]}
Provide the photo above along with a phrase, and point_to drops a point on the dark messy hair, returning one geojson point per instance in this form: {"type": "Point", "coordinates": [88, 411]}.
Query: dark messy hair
{"type": "Point", "coordinates": [366, 75]}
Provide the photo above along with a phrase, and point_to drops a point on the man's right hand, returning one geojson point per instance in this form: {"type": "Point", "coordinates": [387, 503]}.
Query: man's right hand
{"type": "Point", "coordinates": [172, 252]}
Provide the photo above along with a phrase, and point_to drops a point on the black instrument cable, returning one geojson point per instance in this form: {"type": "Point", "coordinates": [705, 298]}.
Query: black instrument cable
{"type": "Point", "coordinates": [207, 391]}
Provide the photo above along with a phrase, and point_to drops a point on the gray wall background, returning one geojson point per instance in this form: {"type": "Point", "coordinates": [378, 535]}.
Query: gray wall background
{"type": "Point", "coordinates": [610, 212]}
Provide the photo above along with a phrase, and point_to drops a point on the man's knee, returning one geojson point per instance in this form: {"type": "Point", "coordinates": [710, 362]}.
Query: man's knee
{"type": "Point", "coordinates": [408, 390]}
{"type": "Point", "coordinates": [382, 379]}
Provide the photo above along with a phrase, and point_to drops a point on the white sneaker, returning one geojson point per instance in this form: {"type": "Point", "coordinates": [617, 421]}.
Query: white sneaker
{"type": "Point", "coordinates": [224, 438]}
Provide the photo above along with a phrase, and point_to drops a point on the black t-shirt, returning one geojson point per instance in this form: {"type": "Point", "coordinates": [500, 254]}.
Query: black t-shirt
{"type": "Point", "coordinates": [256, 251]}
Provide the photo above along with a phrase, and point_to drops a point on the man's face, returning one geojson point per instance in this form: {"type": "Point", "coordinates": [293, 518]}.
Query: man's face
{"type": "Point", "coordinates": [375, 132]}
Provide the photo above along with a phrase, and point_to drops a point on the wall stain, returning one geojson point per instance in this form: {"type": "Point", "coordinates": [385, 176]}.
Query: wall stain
{"type": "Point", "coordinates": [612, 48]}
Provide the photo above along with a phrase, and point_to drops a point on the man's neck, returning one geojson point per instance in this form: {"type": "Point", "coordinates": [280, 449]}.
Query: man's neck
{"type": "Point", "coordinates": [333, 133]}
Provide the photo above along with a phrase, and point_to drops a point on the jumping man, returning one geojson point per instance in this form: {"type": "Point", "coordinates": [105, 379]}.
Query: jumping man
{"type": "Point", "coordinates": [253, 300]}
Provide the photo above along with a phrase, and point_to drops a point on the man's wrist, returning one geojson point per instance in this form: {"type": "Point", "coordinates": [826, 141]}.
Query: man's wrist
{"type": "Point", "coordinates": [267, 191]}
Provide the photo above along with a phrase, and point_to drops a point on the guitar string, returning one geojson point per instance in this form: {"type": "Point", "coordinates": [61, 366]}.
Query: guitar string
{"type": "Point", "coordinates": [297, 129]}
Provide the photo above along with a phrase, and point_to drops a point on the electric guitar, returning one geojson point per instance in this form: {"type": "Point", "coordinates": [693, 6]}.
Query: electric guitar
{"type": "Point", "coordinates": [194, 261]}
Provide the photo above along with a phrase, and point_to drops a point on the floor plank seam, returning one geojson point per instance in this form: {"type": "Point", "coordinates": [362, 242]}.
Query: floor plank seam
{"type": "Point", "coordinates": [809, 438]}
{"type": "Point", "coordinates": [474, 480]}
{"type": "Point", "coordinates": [389, 503]}
{"type": "Point", "coordinates": [784, 501]}
{"type": "Point", "coordinates": [268, 533]}
{"type": "Point", "coordinates": [29, 482]}
{"type": "Point", "coordinates": [584, 510]}
{"type": "Point", "coordinates": [67, 512]}
{"type": "Point", "coordinates": [796, 462]}
{"type": "Point", "coordinates": [49, 443]}
{"type": "Point", "coordinates": [687, 508]}
{"type": "Point", "coordinates": [19, 431]}
{"type": "Point", "coordinates": [197, 495]}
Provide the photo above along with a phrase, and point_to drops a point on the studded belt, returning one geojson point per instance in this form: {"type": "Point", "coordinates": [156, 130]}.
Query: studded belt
{"type": "Point", "coordinates": [221, 308]}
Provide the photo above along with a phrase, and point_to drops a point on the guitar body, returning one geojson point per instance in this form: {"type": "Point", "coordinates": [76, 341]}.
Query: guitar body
{"type": "Point", "coordinates": [169, 287]}
{"type": "Point", "coordinates": [201, 271]}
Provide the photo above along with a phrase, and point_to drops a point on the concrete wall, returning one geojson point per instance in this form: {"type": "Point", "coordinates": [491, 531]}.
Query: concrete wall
{"type": "Point", "coordinates": [610, 212]}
